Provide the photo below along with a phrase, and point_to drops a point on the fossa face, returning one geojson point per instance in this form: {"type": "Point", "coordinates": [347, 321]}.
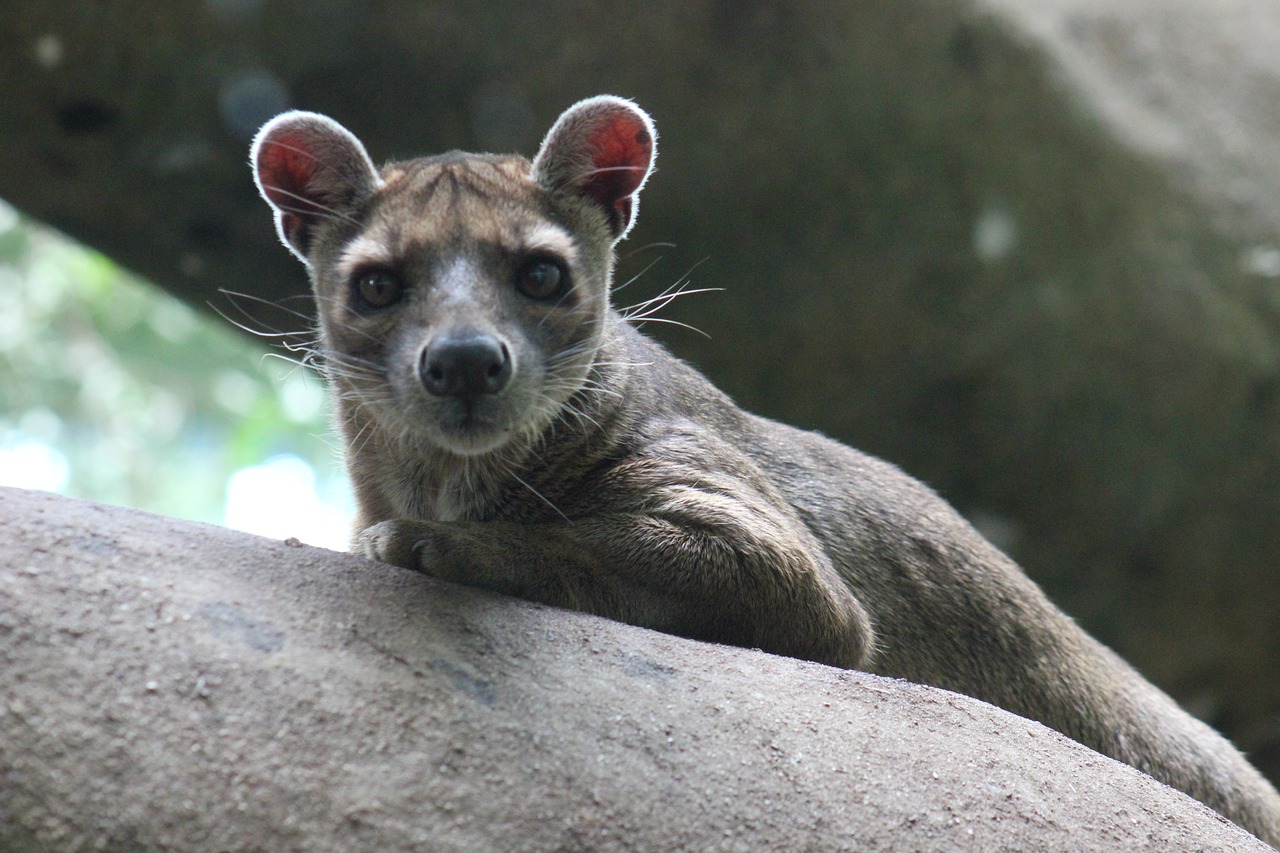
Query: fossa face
{"type": "Point", "coordinates": [461, 309]}
{"type": "Point", "coordinates": [462, 298]}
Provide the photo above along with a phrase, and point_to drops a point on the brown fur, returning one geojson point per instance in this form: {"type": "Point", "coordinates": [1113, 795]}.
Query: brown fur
{"type": "Point", "coordinates": [612, 478]}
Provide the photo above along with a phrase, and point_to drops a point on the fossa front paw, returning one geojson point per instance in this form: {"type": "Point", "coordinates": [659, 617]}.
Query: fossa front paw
{"type": "Point", "coordinates": [397, 542]}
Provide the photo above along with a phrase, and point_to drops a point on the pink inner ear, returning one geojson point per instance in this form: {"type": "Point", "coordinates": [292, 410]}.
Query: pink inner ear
{"type": "Point", "coordinates": [286, 167]}
{"type": "Point", "coordinates": [623, 149]}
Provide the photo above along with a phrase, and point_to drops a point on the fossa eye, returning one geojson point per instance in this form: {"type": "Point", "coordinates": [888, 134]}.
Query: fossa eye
{"type": "Point", "coordinates": [542, 278]}
{"type": "Point", "coordinates": [377, 289]}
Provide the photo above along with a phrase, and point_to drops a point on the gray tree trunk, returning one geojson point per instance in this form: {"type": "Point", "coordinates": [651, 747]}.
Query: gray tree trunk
{"type": "Point", "coordinates": [172, 685]}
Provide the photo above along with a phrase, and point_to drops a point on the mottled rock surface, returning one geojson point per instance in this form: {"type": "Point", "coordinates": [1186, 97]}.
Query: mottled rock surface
{"type": "Point", "coordinates": [170, 685]}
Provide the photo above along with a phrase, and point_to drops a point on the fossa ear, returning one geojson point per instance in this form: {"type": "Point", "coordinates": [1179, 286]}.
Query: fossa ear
{"type": "Point", "coordinates": [603, 150]}
{"type": "Point", "coordinates": [309, 168]}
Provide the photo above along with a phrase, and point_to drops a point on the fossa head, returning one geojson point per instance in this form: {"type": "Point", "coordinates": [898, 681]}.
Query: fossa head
{"type": "Point", "coordinates": [462, 297]}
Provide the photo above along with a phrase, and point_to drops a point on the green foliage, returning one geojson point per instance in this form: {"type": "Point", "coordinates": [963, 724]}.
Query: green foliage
{"type": "Point", "coordinates": [112, 390]}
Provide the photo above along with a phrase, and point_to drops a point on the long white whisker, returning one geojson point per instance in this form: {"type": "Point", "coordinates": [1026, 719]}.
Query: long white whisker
{"type": "Point", "coordinates": [602, 169]}
{"type": "Point", "coordinates": [540, 496]}
{"type": "Point", "coordinates": [645, 248]}
{"type": "Point", "coordinates": [233, 295]}
{"type": "Point", "coordinates": [644, 320]}
{"type": "Point", "coordinates": [619, 288]}
{"type": "Point", "coordinates": [312, 207]}
{"type": "Point", "coordinates": [642, 309]}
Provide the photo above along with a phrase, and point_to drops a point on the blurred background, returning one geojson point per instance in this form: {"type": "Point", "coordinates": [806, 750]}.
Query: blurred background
{"type": "Point", "coordinates": [1029, 250]}
{"type": "Point", "coordinates": [115, 391]}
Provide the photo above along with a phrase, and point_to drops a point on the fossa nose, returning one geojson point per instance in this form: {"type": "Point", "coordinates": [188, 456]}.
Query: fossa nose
{"type": "Point", "coordinates": [464, 364]}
